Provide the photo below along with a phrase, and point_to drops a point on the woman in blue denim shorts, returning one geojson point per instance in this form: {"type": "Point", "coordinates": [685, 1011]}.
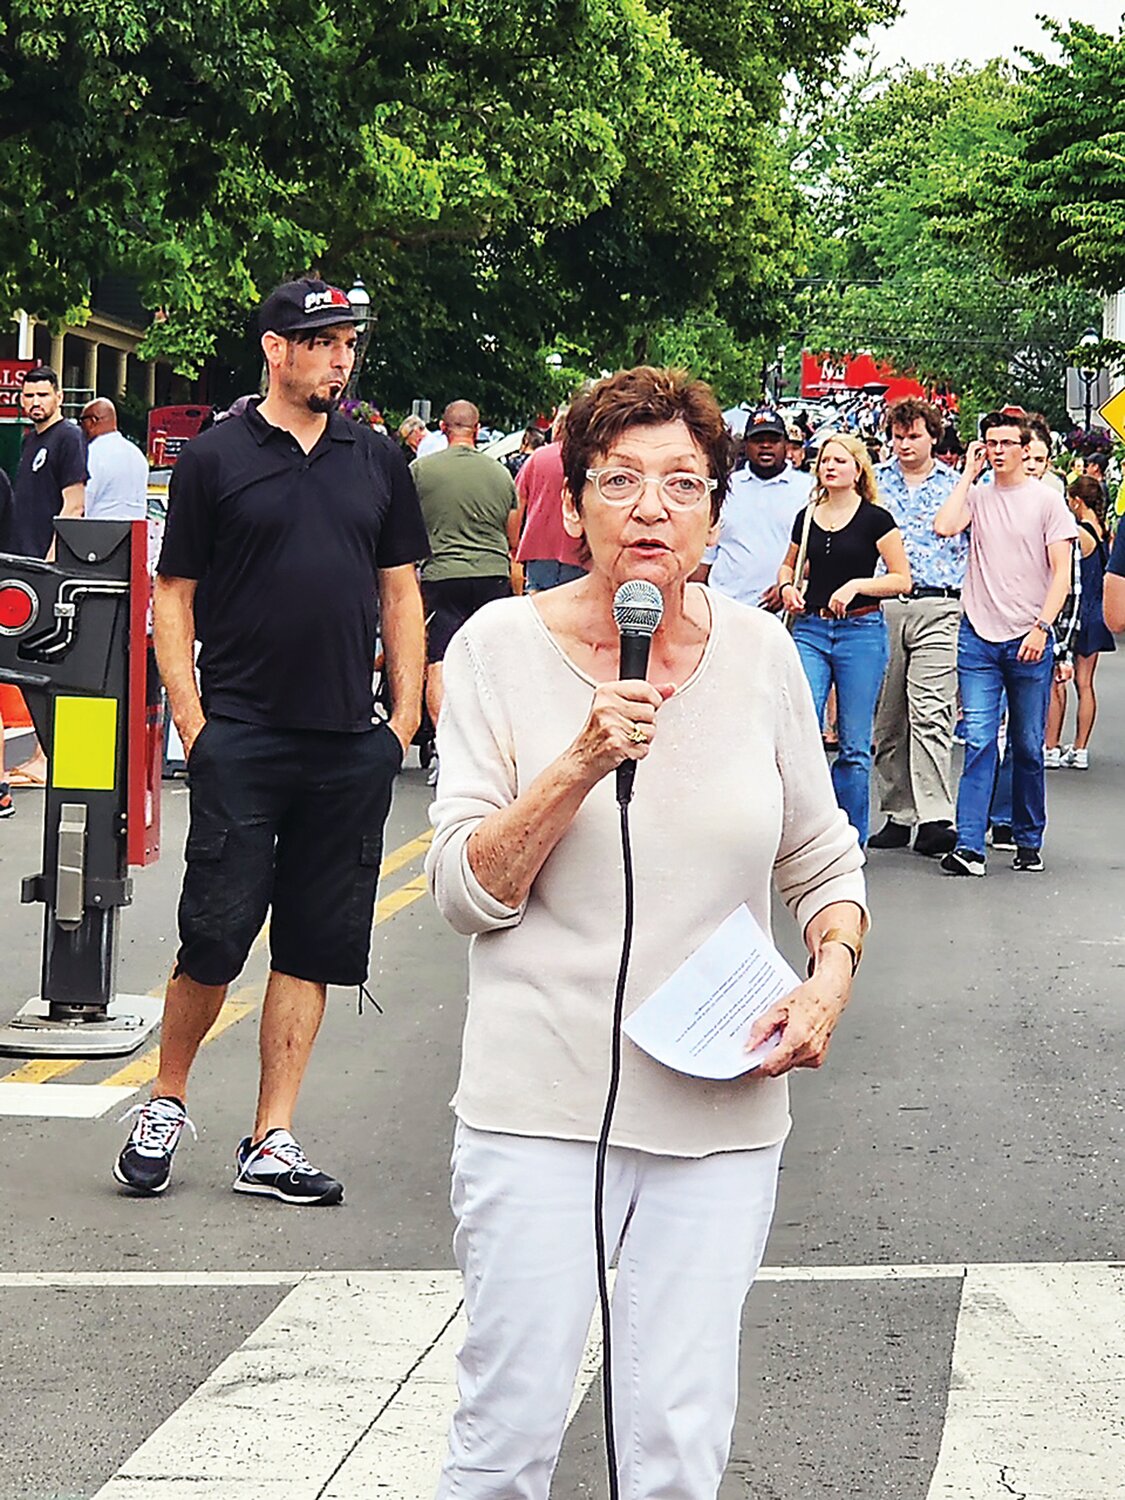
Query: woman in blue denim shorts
{"type": "Point", "coordinates": [839, 630]}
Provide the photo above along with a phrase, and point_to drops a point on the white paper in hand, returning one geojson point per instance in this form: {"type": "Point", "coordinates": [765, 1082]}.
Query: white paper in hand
{"type": "Point", "coordinates": [698, 1020]}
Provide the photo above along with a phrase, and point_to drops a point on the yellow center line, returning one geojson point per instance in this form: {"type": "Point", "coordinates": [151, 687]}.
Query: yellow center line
{"type": "Point", "coordinates": [144, 1069]}
{"type": "Point", "coordinates": [406, 854]}
{"type": "Point", "coordinates": [391, 905]}
{"type": "Point", "coordinates": [44, 1069]}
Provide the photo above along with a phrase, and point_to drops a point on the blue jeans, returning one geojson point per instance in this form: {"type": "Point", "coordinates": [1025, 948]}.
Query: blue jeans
{"type": "Point", "coordinates": [985, 671]}
{"type": "Point", "coordinates": [853, 655]}
{"type": "Point", "coordinates": [545, 573]}
{"type": "Point", "coordinates": [1001, 810]}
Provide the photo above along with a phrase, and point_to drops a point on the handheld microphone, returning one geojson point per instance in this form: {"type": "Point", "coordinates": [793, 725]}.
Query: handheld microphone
{"type": "Point", "coordinates": [637, 608]}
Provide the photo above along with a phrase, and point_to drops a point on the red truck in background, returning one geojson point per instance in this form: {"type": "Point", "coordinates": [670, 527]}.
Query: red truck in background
{"type": "Point", "coordinates": [169, 428]}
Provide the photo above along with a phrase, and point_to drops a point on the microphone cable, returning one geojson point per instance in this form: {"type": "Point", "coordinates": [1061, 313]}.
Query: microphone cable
{"type": "Point", "coordinates": [603, 1149]}
{"type": "Point", "coordinates": [637, 610]}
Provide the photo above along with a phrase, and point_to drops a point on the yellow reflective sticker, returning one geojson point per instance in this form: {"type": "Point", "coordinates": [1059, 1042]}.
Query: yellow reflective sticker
{"type": "Point", "coordinates": [85, 749]}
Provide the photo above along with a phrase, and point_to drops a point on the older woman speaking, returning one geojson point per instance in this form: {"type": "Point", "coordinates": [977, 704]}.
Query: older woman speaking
{"type": "Point", "coordinates": [733, 793]}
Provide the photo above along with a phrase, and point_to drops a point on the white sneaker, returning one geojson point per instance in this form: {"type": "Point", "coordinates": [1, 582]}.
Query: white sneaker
{"type": "Point", "coordinates": [1053, 758]}
{"type": "Point", "coordinates": [1078, 760]}
{"type": "Point", "coordinates": [432, 773]}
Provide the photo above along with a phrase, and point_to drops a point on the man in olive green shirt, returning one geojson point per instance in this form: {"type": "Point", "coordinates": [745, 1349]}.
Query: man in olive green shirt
{"type": "Point", "coordinates": [469, 505]}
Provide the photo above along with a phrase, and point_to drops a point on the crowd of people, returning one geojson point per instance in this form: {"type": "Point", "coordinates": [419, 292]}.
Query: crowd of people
{"type": "Point", "coordinates": [934, 593]}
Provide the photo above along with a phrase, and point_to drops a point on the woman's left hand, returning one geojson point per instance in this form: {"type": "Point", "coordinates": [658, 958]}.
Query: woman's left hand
{"type": "Point", "coordinates": [840, 600]}
{"type": "Point", "coordinates": [805, 1019]}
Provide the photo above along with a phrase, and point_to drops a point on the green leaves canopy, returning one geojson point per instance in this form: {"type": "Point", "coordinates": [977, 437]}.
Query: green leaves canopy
{"type": "Point", "coordinates": [610, 162]}
{"type": "Point", "coordinates": [904, 171]}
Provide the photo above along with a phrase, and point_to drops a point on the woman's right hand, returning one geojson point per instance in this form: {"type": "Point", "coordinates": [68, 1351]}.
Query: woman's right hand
{"type": "Point", "coordinates": [620, 714]}
{"type": "Point", "coordinates": [792, 599]}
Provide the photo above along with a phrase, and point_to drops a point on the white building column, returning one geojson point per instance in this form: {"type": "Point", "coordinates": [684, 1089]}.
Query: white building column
{"type": "Point", "coordinates": [150, 384]}
{"type": "Point", "coordinates": [26, 349]}
{"type": "Point", "coordinates": [121, 379]}
{"type": "Point", "coordinates": [57, 356]}
{"type": "Point", "coordinates": [90, 377]}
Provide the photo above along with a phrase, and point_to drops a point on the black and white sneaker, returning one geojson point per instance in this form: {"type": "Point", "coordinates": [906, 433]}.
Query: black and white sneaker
{"type": "Point", "coordinates": [145, 1164]}
{"type": "Point", "coordinates": [963, 862]}
{"type": "Point", "coordinates": [1028, 859]}
{"type": "Point", "coordinates": [1001, 836]}
{"type": "Point", "coordinates": [7, 806]}
{"type": "Point", "coordinates": [277, 1168]}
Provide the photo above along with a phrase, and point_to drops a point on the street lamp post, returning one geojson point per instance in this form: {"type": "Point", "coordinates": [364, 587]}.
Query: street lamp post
{"type": "Point", "coordinates": [1090, 339]}
{"type": "Point", "coordinates": [360, 302]}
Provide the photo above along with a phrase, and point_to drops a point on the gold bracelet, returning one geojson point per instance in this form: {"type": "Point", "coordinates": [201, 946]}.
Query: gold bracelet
{"type": "Point", "coordinates": [852, 941]}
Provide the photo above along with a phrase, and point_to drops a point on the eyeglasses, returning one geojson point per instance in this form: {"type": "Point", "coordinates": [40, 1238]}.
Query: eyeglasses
{"type": "Point", "coordinates": [681, 491]}
{"type": "Point", "coordinates": [1001, 445]}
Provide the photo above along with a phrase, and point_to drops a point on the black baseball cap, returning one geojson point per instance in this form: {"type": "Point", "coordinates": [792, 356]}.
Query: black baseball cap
{"type": "Point", "coordinates": [765, 422]}
{"type": "Point", "coordinates": [298, 306]}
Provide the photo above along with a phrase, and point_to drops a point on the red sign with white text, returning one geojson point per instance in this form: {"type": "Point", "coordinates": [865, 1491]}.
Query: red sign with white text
{"type": "Point", "coordinates": [12, 372]}
{"type": "Point", "coordinates": [827, 375]}
{"type": "Point", "coordinates": [170, 428]}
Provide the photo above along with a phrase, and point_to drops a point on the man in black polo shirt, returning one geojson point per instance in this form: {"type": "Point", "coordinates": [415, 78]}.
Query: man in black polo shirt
{"type": "Point", "coordinates": [302, 526]}
{"type": "Point", "coordinates": [51, 479]}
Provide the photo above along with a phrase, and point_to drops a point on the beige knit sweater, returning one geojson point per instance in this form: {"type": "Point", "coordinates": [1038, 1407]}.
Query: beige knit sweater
{"type": "Point", "coordinates": [734, 793]}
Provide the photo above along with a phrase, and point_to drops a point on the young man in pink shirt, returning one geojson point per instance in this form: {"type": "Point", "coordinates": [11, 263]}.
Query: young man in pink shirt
{"type": "Point", "coordinates": [1016, 583]}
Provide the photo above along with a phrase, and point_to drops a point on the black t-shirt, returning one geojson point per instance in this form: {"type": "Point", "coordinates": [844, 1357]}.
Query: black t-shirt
{"type": "Point", "coordinates": [50, 462]}
{"type": "Point", "coordinates": [836, 557]}
{"type": "Point", "coordinates": [287, 546]}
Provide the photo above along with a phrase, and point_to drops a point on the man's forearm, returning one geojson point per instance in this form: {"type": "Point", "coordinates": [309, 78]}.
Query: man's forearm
{"type": "Point", "coordinates": [1056, 593]}
{"type": "Point", "coordinates": [404, 642]}
{"type": "Point", "coordinates": [953, 516]}
{"type": "Point", "coordinates": [73, 500]}
{"type": "Point", "coordinates": [173, 634]}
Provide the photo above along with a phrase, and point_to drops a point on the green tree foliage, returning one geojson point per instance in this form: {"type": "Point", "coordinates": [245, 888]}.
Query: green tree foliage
{"type": "Point", "coordinates": [906, 263]}
{"type": "Point", "coordinates": [1058, 192]}
{"type": "Point", "coordinates": [503, 175]}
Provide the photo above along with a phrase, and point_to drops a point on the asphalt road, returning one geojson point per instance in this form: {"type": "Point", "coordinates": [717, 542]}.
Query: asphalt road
{"type": "Point", "coordinates": [969, 1117]}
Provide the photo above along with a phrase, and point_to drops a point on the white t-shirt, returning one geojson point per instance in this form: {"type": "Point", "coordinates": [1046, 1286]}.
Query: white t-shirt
{"type": "Point", "coordinates": [433, 442]}
{"type": "Point", "coordinates": [754, 531]}
{"type": "Point", "coordinates": [117, 489]}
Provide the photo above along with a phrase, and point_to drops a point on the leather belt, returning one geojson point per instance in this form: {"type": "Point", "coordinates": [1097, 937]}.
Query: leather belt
{"type": "Point", "coordinates": [864, 609]}
{"type": "Point", "coordinates": [923, 591]}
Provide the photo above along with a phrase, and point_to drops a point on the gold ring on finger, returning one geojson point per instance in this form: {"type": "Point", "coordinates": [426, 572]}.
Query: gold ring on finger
{"type": "Point", "coordinates": [638, 736]}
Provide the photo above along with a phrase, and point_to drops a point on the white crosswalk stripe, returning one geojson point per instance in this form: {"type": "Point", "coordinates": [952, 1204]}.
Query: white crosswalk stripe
{"type": "Point", "coordinates": [1037, 1390]}
{"type": "Point", "coordinates": [347, 1387]}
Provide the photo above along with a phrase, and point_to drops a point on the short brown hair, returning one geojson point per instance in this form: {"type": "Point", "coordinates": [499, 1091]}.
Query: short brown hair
{"type": "Point", "coordinates": [910, 409]}
{"type": "Point", "coordinates": [644, 397]}
{"type": "Point", "coordinates": [994, 419]}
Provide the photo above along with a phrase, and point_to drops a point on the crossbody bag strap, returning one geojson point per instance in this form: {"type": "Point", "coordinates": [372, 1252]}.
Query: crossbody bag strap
{"type": "Point", "coordinates": [802, 557]}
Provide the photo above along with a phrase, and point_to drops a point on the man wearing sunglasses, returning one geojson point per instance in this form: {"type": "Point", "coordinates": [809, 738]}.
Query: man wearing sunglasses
{"type": "Point", "coordinates": [1016, 583]}
{"type": "Point", "coordinates": [117, 489]}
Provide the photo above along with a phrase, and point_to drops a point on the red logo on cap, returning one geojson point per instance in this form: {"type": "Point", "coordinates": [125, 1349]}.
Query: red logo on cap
{"type": "Point", "coordinates": [339, 298]}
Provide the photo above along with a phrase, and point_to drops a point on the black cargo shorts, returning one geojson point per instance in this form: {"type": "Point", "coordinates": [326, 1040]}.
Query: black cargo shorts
{"type": "Point", "coordinates": [290, 822]}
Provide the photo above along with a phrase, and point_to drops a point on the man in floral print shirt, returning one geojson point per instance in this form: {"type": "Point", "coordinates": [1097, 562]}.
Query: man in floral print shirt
{"type": "Point", "coordinates": [918, 708]}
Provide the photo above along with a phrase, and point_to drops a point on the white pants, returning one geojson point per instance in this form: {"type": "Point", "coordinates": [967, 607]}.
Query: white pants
{"type": "Point", "coordinates": [690, 1235]}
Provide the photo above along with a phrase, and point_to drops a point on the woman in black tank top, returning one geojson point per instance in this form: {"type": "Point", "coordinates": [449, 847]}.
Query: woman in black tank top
{"type": "Point", "coordinates": [839, 630]}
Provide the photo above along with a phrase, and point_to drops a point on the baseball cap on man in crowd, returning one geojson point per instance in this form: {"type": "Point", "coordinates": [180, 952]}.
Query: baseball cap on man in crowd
{"type": "Point", "coordinates": [766, 422]}
{"type": "Point", "coordinates": [300, 306]}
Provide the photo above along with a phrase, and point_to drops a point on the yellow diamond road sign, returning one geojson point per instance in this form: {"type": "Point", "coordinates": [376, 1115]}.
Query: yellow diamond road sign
{"type": "Point", "coordinates": [1114, 413]}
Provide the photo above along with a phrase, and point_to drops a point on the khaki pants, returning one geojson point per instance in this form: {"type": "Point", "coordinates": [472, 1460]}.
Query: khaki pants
{"type": "Point", "coordinates": [917, 711]}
